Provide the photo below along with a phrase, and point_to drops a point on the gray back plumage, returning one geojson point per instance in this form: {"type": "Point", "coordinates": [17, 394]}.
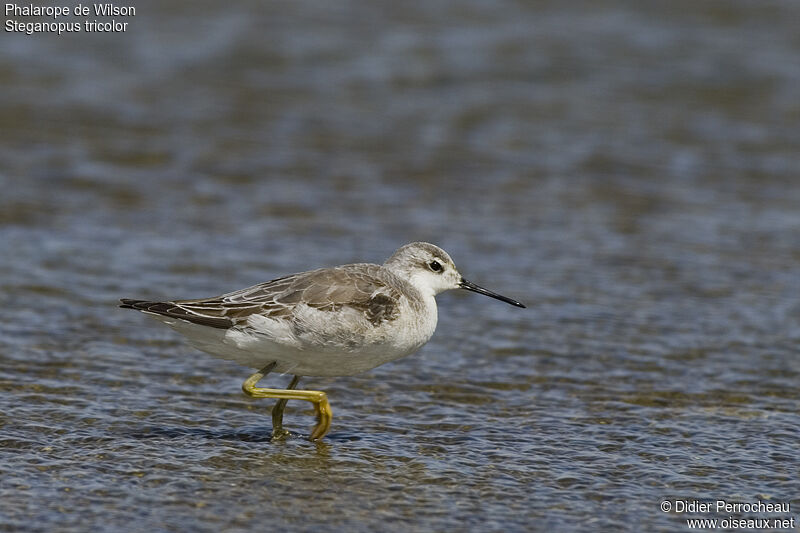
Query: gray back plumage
{"type": "Point", "coordinates": [367, 288]}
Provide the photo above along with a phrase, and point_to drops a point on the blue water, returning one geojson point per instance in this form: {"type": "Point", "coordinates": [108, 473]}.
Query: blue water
{"type": "Point", "coordinates": [628, 171]}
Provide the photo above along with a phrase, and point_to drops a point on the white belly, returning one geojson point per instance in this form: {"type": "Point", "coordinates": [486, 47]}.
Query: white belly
{"type": "Point", "coordinates": [321, 343]}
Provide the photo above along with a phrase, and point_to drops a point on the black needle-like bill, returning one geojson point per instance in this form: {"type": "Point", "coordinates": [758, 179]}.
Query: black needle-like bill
{"type": "Point", "coordinates": [480, 290]}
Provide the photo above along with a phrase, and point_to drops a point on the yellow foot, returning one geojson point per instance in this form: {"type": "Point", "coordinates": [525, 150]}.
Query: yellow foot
{"type": "Point", "coordinates": [324, 416]}
{"type": "Point", "coordinates": [318, 398]}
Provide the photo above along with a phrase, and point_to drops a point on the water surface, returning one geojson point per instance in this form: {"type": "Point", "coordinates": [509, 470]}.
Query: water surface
{"type": "Point", "coordinates": [628, 171]}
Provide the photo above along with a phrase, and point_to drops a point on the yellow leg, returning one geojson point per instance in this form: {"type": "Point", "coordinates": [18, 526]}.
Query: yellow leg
{"type": "Point", "coordinates": [318, 398]}
{"type": "Point", "coordinates": [277, 413]}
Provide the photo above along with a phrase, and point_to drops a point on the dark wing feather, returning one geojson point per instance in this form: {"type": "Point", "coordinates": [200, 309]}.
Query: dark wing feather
{"type": "Point", "coordinates": [379, 308]}
{"type": "Point", "coordinates": [172, 309]}
{"type": "Point", "coordinates": [364, 287]}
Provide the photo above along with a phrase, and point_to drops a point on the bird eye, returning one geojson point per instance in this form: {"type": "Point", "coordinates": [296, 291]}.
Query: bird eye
{"type": "Point", "coordinates": [435, 266]}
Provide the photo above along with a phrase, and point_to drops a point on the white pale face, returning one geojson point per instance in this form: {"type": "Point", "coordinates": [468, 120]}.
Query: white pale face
{"type": "Point", "coordinates": [427, 266]}
{"type": "Point", "coordinates": [436, 273]}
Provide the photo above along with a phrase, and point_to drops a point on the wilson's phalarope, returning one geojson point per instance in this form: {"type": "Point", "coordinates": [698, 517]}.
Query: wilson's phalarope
{"type": "Point", "coordinates": [329, 322]}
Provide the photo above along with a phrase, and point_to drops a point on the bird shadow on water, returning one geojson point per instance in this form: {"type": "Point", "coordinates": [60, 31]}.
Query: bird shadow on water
{"type": "Point", "coordinates": [234, 435]}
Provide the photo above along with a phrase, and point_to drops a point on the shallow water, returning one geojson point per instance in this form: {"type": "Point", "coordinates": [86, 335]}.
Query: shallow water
{"type": "Point", "coordinates": [629, 172]}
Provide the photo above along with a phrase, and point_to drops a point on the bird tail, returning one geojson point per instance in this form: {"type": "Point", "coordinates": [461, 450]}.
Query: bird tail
{"type": "Point", "coordinates": [139, 305]}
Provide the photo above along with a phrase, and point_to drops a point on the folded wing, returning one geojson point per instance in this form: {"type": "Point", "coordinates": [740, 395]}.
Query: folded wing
{"type": "Point", "coordinates": [366, 289]}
